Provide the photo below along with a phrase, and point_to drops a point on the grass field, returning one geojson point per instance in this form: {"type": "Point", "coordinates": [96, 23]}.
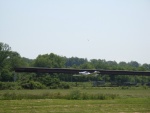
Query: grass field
{"type": "Point", "coordinates": [128, 100]}
{"type": "Point", "coordinates": [131, 105]}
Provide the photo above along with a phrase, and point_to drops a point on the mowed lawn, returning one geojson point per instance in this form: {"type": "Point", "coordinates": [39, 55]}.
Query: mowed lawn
{"type": "Point", "coordinates": [132, 100]}
{"type": "Point", "coordinates": [130, 105]}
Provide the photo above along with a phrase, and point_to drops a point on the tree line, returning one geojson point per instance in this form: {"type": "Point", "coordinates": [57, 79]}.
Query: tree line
{"type": "Point", "coordinates": [10, 59]}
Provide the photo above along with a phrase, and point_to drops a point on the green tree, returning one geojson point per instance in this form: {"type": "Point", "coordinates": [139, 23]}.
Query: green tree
{"type": "Point", "coordinates": [112, 65]}
{"type": "Point", "coordinates": [146, 66]}
{"type": "Point", "coordinates": [122, 65]}
{"type": "Point", "coordinates": [49, 60]}
{"type": "Point", "coordinates": [134, 65]}
{"type": "Point", "coordinates": [75, 62]}
{"type": "Point", "coordinates": [15, 60]}
{"type": "Point", "coordinates": [8, 61]}
{"type": "Point", "coordinates": [86, 66]}
{"type": "Point", "coordinates": [4, 54]}
{"type": "Point", "coordinates": [28, 62]}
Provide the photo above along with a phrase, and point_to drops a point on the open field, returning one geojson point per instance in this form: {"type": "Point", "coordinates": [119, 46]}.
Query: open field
{"type": "Point", "coordinates": [132, 100]}
{"type": "Point", "coordinates": [120, 92]}
{"type": "Point", "coordinates": [131, 105]}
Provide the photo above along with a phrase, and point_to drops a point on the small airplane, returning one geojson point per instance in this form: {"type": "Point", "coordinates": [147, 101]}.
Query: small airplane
{"type": "Point", "coordinates": [86, 73]}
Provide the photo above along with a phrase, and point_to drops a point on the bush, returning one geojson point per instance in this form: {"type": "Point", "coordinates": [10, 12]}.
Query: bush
{"type": "Point", "coordinates": [53, 86]}
{"type": "Point", "coordinates": [64, 85]}
{"type": "Point", "coordinates": [32, 85]}
{"type": "Point", "coordinates": [9, 85]}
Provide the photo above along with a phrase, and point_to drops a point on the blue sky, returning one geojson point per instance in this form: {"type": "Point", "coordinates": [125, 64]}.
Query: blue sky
{"type": "Point", "coordinates": [117, 30]}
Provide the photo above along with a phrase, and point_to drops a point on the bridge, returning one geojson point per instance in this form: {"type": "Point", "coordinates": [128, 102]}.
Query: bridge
{"type": "Point", "coordinates": [76, 71]}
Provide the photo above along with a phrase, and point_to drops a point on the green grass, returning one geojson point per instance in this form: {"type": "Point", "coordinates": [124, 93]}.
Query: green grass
{"type": "Point", "coordinates": [89, 92]}
{"type": "Point", "coordinates": [130, 105]}
{"type": "Point", "coordinates": [128, 99]}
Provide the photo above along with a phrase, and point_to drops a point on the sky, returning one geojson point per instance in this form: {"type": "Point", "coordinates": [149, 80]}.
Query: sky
{"type": "Point", "coordinates": [114, 30]}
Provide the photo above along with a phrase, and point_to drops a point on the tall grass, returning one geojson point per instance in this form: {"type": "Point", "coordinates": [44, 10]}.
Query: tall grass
{"type": "Point", "coordinates": [76, 93]}
{"type": "Point", "coordinates": [72, 95]}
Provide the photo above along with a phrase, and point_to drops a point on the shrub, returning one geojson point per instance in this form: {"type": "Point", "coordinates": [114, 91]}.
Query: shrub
{"type": "Point", "coordinates": [64, 85]}
{"type": "Point", "coordinates": [53, 86]}
{"type": "Point", "coordinates": [9, 85]}
{"type": "Point", "coordinates": [32, 85]}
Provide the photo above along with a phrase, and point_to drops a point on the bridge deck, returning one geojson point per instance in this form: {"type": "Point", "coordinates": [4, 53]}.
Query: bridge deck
{"type": "Point", "coordinates": [76, 71]}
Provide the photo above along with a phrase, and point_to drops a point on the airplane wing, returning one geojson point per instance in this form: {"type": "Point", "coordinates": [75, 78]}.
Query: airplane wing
{"type": "Point", "coordinates": [86, 73]}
